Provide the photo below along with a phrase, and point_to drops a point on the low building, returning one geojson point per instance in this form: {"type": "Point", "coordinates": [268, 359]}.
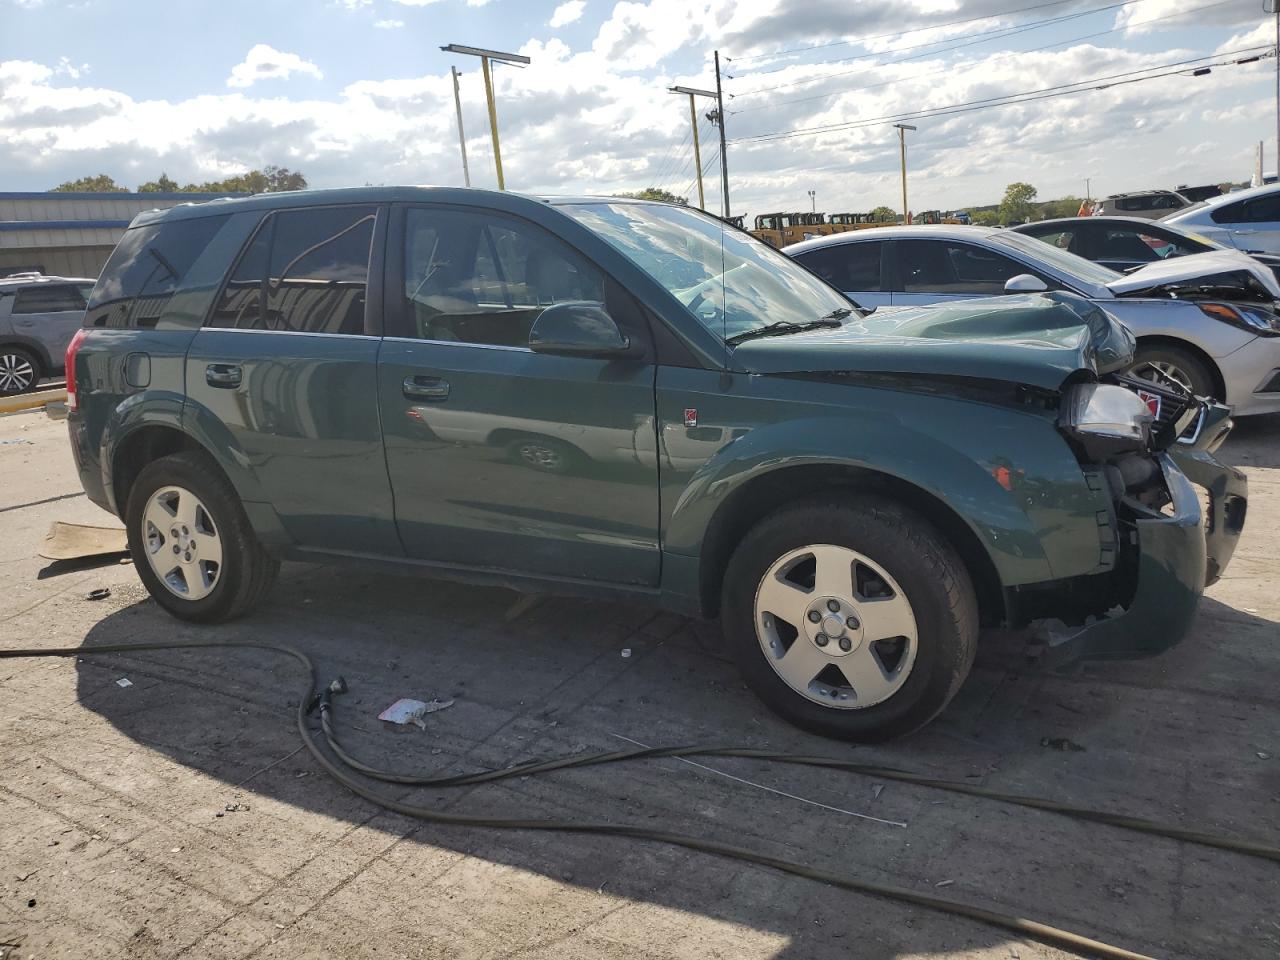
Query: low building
{"type": "Point", "coordinates": [72, 234]}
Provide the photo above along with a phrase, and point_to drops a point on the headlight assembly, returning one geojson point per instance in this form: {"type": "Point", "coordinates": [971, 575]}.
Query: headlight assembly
{"type": "Point", "coordinates": [1105, 417]}
{"type": "Point", "coordinates": [1257, 320]}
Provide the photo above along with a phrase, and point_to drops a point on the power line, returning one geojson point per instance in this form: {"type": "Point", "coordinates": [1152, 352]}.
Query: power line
{"type": "Point", "coordinates": [951, 69]}
{"type": "Point", "coordinates": [982, 36]}
{"type": "Point", "coordinates": [668, 158]}
{"type": "Point", "coordinates": [1026, 96]}
{"type": "Point", "coordinates": [900, 33]}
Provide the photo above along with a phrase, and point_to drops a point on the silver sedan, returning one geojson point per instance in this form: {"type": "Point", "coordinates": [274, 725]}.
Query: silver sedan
{"type": "Point", "coordinates": [1206, 322]}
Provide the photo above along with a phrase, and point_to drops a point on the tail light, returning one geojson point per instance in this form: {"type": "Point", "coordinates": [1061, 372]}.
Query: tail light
{"type": "Point", "coordinates": [69, 366]}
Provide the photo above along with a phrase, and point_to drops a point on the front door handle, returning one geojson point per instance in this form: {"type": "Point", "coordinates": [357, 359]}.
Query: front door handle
{"type": "Point", "coordinates": [223, 375]}
{"type": "Point", "coordinates": [426, 388]}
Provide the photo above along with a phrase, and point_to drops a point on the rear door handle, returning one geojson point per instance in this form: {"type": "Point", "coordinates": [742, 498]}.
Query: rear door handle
{"type": "Point", "coordinates": [426, 388]}
{"type": "Point", "coordinates": [223, 375]}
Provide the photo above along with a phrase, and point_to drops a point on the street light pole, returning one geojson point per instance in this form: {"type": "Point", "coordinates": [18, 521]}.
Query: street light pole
{"type": "Point", "coordinates": [813, 202]}
{"type": "Point", "coordinates": [693, 119]}
{"type": "Point", "coordinates": [902, 150]}
{"type": "Point", "coordinates": [485, 56]}
{"type": "Point", "coordinates": [462, 137]}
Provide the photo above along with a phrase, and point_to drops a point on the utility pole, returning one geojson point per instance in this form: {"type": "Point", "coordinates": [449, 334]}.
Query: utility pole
{"type": "Point", "coordinates": [485, 56]}
{"type": "Point", "coordinates": [724, 159]}
{"type": "Point", "coordinates": [693, 119]}
{"type": "Point", "coordinates": [462, 137]}
{"type": "Point", "coordinates": [902, 148]}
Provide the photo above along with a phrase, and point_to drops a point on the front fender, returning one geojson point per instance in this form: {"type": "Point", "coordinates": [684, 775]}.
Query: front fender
{"type": "Point", "coordinates": [1031, 532]}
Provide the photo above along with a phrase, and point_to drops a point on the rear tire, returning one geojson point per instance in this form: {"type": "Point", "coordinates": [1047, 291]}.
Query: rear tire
{"type": "Point", "coordinates": [1165, 365]}
{"type": "Point", "coordinates": [20, 371]}
{"type": "Point", "coordinates": [191, 541]}
{"type": "Point", "coordinates": [876, 607]}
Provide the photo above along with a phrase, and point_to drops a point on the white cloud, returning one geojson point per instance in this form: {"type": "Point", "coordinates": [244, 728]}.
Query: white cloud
{"type": "Point", "coordinates": [264, 62]}
{"type": "Point", "coordinates": [388, 24]}
{"type": "Point", "coordinates": [416, 3]}
{"type": "Point", "coordinates": [66, 68]}
{"type": "Point", "coordinates": [566, 13]}
{"type": "Point", "coordinates": [608, 99]}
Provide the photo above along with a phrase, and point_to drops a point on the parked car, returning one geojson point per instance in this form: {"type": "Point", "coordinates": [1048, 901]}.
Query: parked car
{"type": "Point", "coordinates": [1148, 204]}
{"type": "Point", "coordinates": [38, 317]}
{"type": "Point", "coordinates": [853, 496]}
{"type": "Point", "coordinates": [1204, 322]}
{"type": "Point", "coordinates": [1248, 220]}
{"type": "Point", "coordinates": [1124, 243]}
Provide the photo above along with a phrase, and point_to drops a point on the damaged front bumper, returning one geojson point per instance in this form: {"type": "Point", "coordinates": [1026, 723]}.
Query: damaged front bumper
{"type": "Point", "coordinates": [1180, 551]}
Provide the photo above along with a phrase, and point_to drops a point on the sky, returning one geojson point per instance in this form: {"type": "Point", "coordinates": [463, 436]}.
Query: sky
{"type": "Point", "coordinates": [351, 92]}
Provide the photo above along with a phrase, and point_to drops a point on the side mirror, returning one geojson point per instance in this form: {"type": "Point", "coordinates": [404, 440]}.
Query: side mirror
{"type": "Point", "coordinates": [578, 328]}
{"type": "Point", "coordinates": [1025, 283]}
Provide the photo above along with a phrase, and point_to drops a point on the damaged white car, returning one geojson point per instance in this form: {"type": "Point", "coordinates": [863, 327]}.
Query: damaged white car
{"type": "Point", "coordinates": [1206, 323]}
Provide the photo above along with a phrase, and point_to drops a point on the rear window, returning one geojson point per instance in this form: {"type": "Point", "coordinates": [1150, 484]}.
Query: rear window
{"type": "Point", "coordinates": [305, 271]}
{"type": "Point", "coordinates": [145, 269]}
{"type": "Point", "coordinates": [49, 298]}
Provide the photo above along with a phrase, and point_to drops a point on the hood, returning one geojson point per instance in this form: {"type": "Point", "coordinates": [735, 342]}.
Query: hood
{"type": "Point", "coordinates": [1217, 268]}
{"type": "Point", "coordinates": [1039, 340]}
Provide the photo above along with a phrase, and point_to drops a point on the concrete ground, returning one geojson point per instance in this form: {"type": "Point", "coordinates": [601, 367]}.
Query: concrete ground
{"type": "Point", "coordinates": [120, 834]}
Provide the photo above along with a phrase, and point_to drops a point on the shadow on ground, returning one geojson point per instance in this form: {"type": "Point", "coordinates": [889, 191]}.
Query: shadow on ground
{"type": "Point", "coordinates": [1170, 738]}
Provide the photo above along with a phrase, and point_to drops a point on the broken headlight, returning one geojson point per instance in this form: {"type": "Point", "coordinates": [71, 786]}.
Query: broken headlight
{"type": "Point", "coordinates": [1105, 417]}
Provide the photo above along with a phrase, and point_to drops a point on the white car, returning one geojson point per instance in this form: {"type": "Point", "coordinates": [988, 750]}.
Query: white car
{"type": "Point", "coordinates": [1248, 220]}
{"type": "Point", "coordinates": [1205, 322]}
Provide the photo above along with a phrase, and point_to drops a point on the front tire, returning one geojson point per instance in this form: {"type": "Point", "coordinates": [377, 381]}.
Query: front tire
{"type": "Point", "coordinates": [850, 617]}
{"type": "Point", "coordinates": [191, 542]}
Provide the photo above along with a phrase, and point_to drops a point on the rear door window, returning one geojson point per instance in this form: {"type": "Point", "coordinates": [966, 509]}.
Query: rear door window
{"type": "Point", "coordinates": [49, 298]}
{"type": "Point", "coordinates": [304, 271]}
{"type": "Point", "coordinates": [145, 269]}
{"type": "Point", "coordinates": [849, 267]}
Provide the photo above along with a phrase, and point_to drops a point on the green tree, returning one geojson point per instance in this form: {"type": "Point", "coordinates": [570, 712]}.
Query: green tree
{"type": "Point", "coordinates": [655, 193]}
{"type": "Point", "coordinates": [99, 184]}
{"type": "Point", "coordinates": [884, 214]}
{"type": "Point", "coordinates": [1016, 206]}
{"type": "Point", "coordinates": [165, 184]}
{"type": "Point", "coordinates": [985, 218]}
{"type": "Point", "coordinates": [1065, 207]}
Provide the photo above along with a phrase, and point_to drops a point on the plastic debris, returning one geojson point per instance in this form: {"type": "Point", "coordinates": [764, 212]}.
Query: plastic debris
{"type": "Point", "coordinates": [1263, 756]}
{"type": "Point", "coordinates": [124, 682]}
{"type": "Point", "coordinates": [1061, 743]}
{"type": "Point", "coordinates": [944, 883]}
{"type": "Point", "coordinates": [626, 652]}
{"type": "Point", "coordinates": [100, 594]}
{"type": "Point", "coordinates": [237, 807]}
{"type": "Point", "coordinates": [876, 790]}
{"type": "Point", "coordinates": [405, 711]}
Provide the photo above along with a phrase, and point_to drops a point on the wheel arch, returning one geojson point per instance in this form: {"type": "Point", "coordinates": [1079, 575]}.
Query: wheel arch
{"type": "Point", "coordinates": [1163, 340]}
{"type": "Point", "coordinates": [45, 362]}
{"type": "Point", "coordinates": [141, 446]}
{"type": "Point", "coordinates": [765, 493]}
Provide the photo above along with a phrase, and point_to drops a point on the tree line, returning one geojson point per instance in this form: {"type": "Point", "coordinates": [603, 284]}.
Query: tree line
{"type": "Point", "coordinates": [270, 179]}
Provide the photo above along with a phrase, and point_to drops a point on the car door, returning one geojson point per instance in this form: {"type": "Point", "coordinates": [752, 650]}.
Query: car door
{"type": "Point", "coordinates": [49, 314]}
{"type": "Point", "coordinates": [283, 376]}
{"type": "Point", "coordinates": [935, 271]}
{"type": "Point", "coordinates": [501, 457]}
{"type": "Point", "coordinates": [1253, 225]}
{"type": "Point", "coordinates": [855, 267]}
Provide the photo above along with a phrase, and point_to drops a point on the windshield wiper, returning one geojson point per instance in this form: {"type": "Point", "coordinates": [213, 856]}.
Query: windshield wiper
{"type": "Point", "coordinates": [780, 328]}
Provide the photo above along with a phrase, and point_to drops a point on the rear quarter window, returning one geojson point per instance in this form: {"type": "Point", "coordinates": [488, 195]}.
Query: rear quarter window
{"type": "Point", "coordinates": [49, 298]}
{"type": "Point", "coordinates": [146, 268]}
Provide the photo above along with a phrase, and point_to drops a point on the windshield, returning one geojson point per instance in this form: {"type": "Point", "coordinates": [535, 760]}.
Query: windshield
{"type": "Point", "coordinates": [1067, 263]}
{"type": "Point", "coordinates": [730, 281]}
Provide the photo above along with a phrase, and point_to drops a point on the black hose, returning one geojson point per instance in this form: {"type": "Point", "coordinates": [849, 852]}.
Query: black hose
{"type": "Point", "coordinates": [1043, 932]}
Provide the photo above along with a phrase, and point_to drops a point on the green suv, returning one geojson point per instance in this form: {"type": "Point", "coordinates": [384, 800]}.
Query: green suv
{"type": "Point", "coordinates": [629, 399]}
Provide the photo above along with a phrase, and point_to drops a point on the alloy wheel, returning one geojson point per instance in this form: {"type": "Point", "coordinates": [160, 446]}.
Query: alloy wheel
{"type": "Point", "coordinates": [183, 545]}
{"type": "Point", "coordinates": [836, 627]}
{"type": "Point", "coordinates": [1165, 374]}
{"type": "Point", "coordinates": [16, 373]}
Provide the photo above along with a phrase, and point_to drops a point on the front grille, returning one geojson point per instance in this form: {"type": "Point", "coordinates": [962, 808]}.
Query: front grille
{"type": "Point", "coordinates": [1167, 405]}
